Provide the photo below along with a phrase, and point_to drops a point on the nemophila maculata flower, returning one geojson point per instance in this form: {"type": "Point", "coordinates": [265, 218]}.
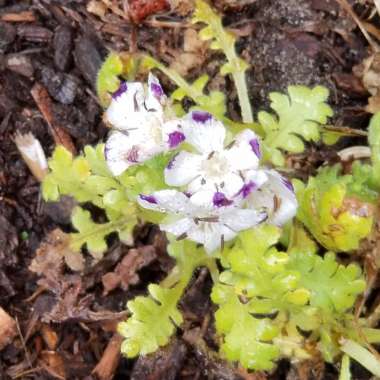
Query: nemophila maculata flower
{"type": "Point", "coordinates": [205, 217]}
{"type": "Point", "coordinates": [214, 166]}
{"type": "Point", "coordinates": [222, 188]}
{"type": "Point", "coordinates": [140, 129]}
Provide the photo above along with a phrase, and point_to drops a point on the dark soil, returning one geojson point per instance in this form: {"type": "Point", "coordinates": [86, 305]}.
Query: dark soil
{"type": "Point", "coordinates": [60, 45]}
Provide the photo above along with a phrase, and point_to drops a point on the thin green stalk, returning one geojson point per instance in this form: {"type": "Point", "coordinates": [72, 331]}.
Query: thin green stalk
{"type": "Point", "coordinates": [345, 373]}
{"type": "Point", "coordinates": [362, 356]}
{"type": "Point", "coordinates": [242, 90]}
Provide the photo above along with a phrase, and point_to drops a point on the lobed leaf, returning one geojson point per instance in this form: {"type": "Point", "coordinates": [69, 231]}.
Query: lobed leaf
{"type": "Point", "coordinates": [299, 115]}
{"type": "Point", "coordinates": [246, 338]}
{"type": "Point", "coordinates": [153, 321]}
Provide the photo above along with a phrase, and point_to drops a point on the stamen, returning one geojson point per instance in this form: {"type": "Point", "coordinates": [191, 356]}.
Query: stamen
{"type": "Point", "coordinates": [182, 236]}
{"type": "Point", "coordinates": [231, 144]}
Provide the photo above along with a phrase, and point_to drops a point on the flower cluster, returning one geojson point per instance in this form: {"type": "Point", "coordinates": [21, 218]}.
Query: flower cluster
{"type": "Point", "coordinates": [221, 189]}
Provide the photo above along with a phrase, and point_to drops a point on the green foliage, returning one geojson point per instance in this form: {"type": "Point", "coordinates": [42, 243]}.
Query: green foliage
{"type": "Point", "coordinates": [299, 116]}
{"type": "Point", "coordinates": [155, 317]}
{"type": "Point", "coordinates": [246, 339]}
{"type": "Point", "coordinates": [87, 179]}
{"type": "Point", "coordinates": [214, 102]}
{"type": "Point", "coordinates": [153, 321]}
{"type": "Point", "coordinates": [298, 289]}
{"type": "Point", "coordinates": [108, 78]}
{"type": "Point", "coordinates": [333, 287]}
{"type": "Point", "coordinates": [331, 208]}
{"type": "Point", "coordinates": [374, 142]}
{"type": "Point", "coordinates": [225, 41]}
{"type": "Point", "coordinates": [93, 235]}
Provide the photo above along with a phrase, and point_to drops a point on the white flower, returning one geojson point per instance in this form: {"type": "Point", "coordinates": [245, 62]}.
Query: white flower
{"type": "Point", "coordinates": [214, 167]}
{"type": "Point", "coordinates": [197, 217]}
{"type": "Point", "coordinates": [140, 129]}
{"type": "Point", "coordinates": [275, 196]}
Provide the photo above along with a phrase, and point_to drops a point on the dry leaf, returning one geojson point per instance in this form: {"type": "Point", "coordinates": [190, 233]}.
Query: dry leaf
{"type": "Point", "coordinates": [51, 253]}
{"type": "Point", "coordinates": [193, 55]}
{"type": "Point", "coordinates": [125, 273]}
{"type": "Point", "coordinates": [97, 8]}
{"type": "Point", "coordinates": [369, 72]}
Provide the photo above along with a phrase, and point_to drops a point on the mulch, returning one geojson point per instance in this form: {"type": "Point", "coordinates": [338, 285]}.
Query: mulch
{"type": "Point", "coordinates": [50, 53]}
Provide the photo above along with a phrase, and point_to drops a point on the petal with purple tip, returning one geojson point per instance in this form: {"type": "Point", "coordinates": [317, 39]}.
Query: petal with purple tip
{"type": "Point", "coordinates": [149, 198]}
{"type": "Point", "coordinates": [175, 138]}
{"type": "Point", "coordinates": [201, 116]}
{"type": "Point", "coordinates": [247, 189]}
{"type": "Point", "coordinates": [220, 200]}
{"type": "Point", "coordinates": [254, 143]}
{"type": "Point", "coordinates": [120, 91]}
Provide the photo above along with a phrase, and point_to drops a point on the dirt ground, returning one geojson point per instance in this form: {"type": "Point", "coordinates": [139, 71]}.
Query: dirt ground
{"type": "Point", "coordinates": [50, 52]}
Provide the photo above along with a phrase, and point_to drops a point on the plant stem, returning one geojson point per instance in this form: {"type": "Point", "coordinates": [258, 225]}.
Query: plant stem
{"type": "Point", "coordinates": [362, 356]}
{"type": "Point", "coordinates": [345, 373]}
{"type": "Point", "coordinates": [242, 90]}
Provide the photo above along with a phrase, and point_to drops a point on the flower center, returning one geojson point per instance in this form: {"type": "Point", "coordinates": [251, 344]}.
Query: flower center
{"type": "Point", "coordinates": [215, 166]}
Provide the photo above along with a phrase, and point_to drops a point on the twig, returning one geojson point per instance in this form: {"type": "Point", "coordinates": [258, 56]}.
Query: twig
{"type": "Point", "coordinates": [44, 103]}
{"type": "Point", "coordinates": [25, 16]}
{"type": "Point", "coordinates": [347, 7]}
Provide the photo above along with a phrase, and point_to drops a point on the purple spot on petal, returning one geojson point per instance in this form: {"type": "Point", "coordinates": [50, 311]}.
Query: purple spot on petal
{"type": "Point", "coordinates": [148, 198]}
{"type": "Point", "coordinates": [120, 91]}
{"type": "Point", "coordinates": [171, 162]}
{"type": "Point", "coordinates": [220, 200]}
{"type": "Point", "coordinates": [175, 138]}
{"type": "Point", "coordinates": [247, 189]}
{"type": "Point", "coordinates": [255, 147]}
{"type": "Point", "coordinates": [157, 90]}
{"type": "Point", "coordinates": [187, 194]}
{"type": "Point", "coordinates": [201, 116]}
{"type": "Point", "coordinates": [287, 184]}
{"type": "Point", "coordinates": [133, 154]}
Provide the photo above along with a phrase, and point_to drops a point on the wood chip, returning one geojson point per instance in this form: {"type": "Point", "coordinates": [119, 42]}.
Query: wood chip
{"type": "Point", "coordinates": [25, 16]}
{"type": "Point", "coordinates": [8, 328]}
{"type": "Point", "coordinates": [107, 365]}
{"type": "Point", "coordinates": [44, 103]}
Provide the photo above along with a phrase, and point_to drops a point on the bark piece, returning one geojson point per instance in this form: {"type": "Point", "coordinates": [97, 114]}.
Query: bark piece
{"type": "Point", "coordinates": [63, 47]}
{"type": "Point", "coordinates": [107, 365]}
{"type": "Point", "coordinates": [8, 328]}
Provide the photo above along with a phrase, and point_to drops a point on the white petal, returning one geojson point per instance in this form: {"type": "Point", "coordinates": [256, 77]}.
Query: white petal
{"type": "Point", "coordinates": [179, 227]}
{"type": "Point", "coordinates": [182, 169]}
{"type": "Point", "coordinates": [117, 154]}
{"type": "Point", "coordinates": [213, 237]}
{"type": "Point", "coordinates": [198, 184]}
{"type": "Point", "coordinates": [125, 104]}
{"type": "Point", "coordinates": [203, 200]}
{"type": "Point", "coordinates": [241, 219]}
{"type": "Point", "coordinates": [204, 132]}
{"type": "Point", "coordinates": [171, 201]}
{"type": "Point", "coordinates": [232, 184]}
{"type": "Point", "coordinates": [277, 196]}
{"type": "Point", "coordinates": [156, 97]}
{"type": "Point", "coordinates": [284, 190]}
{"type": "Point", "coordinates": [244, 153]}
